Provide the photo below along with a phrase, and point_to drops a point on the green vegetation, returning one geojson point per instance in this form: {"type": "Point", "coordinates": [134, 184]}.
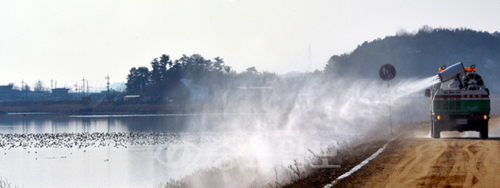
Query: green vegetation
{"type": "Point", "coordinates": [164, 80]}
{"type": "Point", "coordinates": [421, 54]}
{"type": "Point", "coordinates": [416, 55]}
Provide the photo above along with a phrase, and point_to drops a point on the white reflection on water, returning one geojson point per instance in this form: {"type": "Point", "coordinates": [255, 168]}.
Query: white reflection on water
{"type": "Point", "coordinates": [90, 167]}
{"type": "Point", "coordinates": [43, 123]}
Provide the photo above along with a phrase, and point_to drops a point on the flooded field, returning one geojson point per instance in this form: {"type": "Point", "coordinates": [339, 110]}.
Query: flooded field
{"type": "Point", "coordinates": [137, 150]}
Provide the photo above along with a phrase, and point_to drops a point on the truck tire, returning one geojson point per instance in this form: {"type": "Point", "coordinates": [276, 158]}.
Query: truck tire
{"type": "Point", "coordinates": [483, 133]}
{"type": "Point", "coordinates": [435, 132]}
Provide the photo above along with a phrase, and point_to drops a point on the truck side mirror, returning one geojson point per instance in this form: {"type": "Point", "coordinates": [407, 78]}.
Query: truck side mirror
{"type": "Point", "coordinates": [427, 93]}
{"type": "Point", "coordinates": [487, 90]}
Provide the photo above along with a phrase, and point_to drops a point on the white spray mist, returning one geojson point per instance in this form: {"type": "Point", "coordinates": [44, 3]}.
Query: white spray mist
{"type": "Point", "coordinates": [265, 129]}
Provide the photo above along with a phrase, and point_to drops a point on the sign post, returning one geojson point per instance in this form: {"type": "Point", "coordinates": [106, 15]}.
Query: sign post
{"type": "Point", "coordinates": [387, 72]}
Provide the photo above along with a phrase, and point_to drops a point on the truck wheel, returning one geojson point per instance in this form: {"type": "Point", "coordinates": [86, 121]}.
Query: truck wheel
{"type": "Point", "coordinates": [483, 133]}
{"type": "Point", "coordinates": [435, 132]}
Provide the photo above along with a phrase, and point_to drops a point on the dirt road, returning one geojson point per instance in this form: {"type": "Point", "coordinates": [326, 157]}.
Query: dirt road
{"type": "Point", "coordinates": [416, 160]}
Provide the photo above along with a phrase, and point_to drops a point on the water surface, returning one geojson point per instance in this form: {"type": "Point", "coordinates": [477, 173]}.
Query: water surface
{"type": "Point", "coordinates": [139, 163]}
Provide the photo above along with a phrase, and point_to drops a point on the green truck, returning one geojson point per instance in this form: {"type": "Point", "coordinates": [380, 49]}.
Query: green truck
{"type": "Point", "coordinates": [459, 102]}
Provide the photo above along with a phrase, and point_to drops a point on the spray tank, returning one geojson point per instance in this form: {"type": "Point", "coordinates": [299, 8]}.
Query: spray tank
{"type": "Point", "coordinates": [460, 102]}
{"type": "Point", "coordinates": [465, 77]}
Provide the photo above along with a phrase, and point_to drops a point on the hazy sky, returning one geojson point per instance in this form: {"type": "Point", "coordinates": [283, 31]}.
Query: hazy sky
{"type": "Point", "coordinates": [68, 40]}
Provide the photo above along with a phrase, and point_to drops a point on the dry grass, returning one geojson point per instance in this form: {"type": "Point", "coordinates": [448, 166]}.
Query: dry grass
{"type": "Point", "coordinates": [5, 184]}
{"type": "Point", "coordinates": [218, 177]}
{"type": "Point", "coordinates": [348, 155]}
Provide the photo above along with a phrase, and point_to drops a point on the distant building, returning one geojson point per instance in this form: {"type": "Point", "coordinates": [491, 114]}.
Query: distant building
{"type": "Point", "coordinates": [61, 94]}
{"type": "Point", "coordinates": [7, 93]}
{"type": "Point", "coordinates": [6, 88]}
{"type": "Point", "coordinates": [152, 93]}
{"type": "Point", "coordinates": [60, 91]}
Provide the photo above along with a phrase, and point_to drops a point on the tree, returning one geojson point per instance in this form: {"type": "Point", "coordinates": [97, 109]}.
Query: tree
{"type": "Point", "coordinates": [165, 74]}
{"type": "Point", "coordinates": [252, 70]}
{"type": "Point", "coordinates": [39, 86]}
{"type": "Point", "coordinates": [496, 34]}
{"type": "Point", "coordinates": [26, 88]}
{"type": "Point", "coordinates": [164, 63]}
{"type": "Point", "coordinates": [137, 79]}
{"type": "Point", "coordinates": [194, 67]}
{"type": "Point", "coordinates": [335, 64]}
{"type": "Point", "coordinates": [155, 73]}
{"type": "Point", "coordinates": [159, 72]}
{"type": "Point", "coordinates": [218, 65]}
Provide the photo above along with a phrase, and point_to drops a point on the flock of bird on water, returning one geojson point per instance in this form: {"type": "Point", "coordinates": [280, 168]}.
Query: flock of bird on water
{"type": "Point", "coordinates": [84, 140]}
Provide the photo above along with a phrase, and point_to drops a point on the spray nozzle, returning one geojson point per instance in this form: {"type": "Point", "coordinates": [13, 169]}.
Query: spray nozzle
{"type": "Point", "coordinates": [456, 70]}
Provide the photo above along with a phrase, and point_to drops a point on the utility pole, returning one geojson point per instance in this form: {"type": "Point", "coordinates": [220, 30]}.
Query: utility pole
{"type": "Point", "coordinates": [88, 91]}
{"type": "Point", "coordinates": [107, 78]}
{"type": "Point", "coordinates": [52, 89]}
{"type": "Point", "coordinates": [22, 89]}
{"type": "Point", "coordinates": [83, 90]}
{"type": "Point", "coordinates": [55, 87]}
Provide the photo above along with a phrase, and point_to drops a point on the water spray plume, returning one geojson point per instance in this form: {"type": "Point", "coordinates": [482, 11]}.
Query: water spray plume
{"type": "Point", "coordinates": [270, 123]}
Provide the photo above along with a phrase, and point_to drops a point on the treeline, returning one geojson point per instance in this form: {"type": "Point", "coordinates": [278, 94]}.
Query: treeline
{"type": "Point", "coordinates": [414, 55]}
{"type": "Point", "coordinates": [164, 77]}
{"type": "Point", "coordinates": [420, 54]}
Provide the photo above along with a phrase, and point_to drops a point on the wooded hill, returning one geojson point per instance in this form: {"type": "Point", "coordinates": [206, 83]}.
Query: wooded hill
{"type": "Point", "coordinates": [420, 54]}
